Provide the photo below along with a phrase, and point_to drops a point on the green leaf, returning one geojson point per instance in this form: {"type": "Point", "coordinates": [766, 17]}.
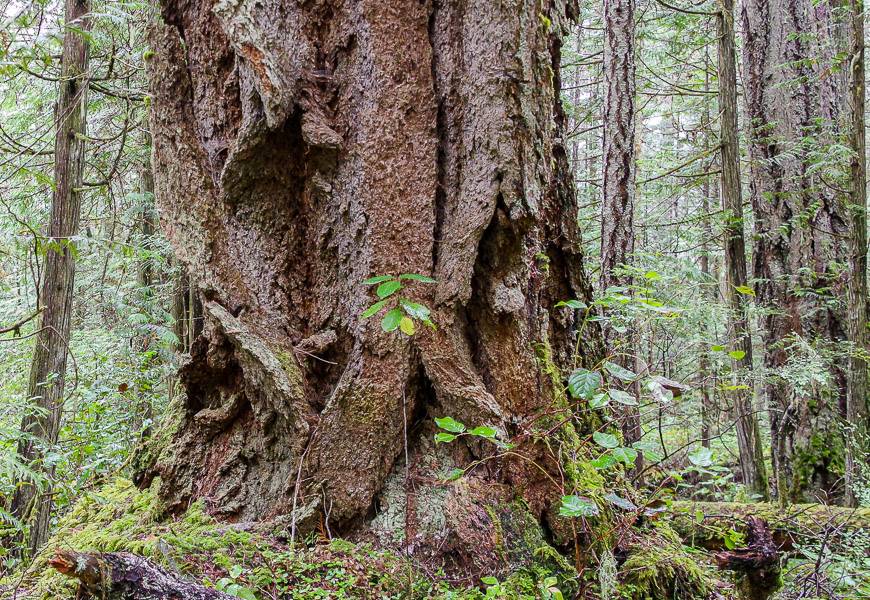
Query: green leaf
{"type": "Point", "coordinates": [626, 455]}
{"type": "Point", "coordinates": [622, 397]}
{"type": "Point", "coordinates": [489, 580]}
{"type": "Point", "coordinates": [732, 539]}
{"type": "Point", "coordinates": [407, 326]}
{"type": "Point", "coordinates": [388, 288]}
{"type": "Point", "coordinates": [605, 440]}
{"type": "Point", "coordinates": [737, 354]}
{"type": "Point", "coordinates": [235, 571]}
{"type": "Point", "coordinates": [575, 304]}
{"type": "Point", "coordinates": [416, 310]}
{"type": "Point", "coordinates": [391, 320]}
{"type": "Point", "coordinates": [745, 289]}
{"type": "Point", "coordinates": [583, 383]}
{"type": "Point", "coordinates": [575, 506]}
{"type": "Point", "coordinates": [417, 277]}
{"type": "Point", "coordinates": [604, 461]}
{"type": "Point", "coordinates": [701, 457]}
{"type": "Point", "coordinates": [649, 450]}
{"type": "Point", "coordinates": [620, 372]}
{"type": "Point", "coordinates": [652, 276]}
{"type": "Point", "coordinates": [450, 424]}
{"type": "Point", "coordinates": [373, 309]}
{"type": "Point", "coordinates": [621, 502]}
{"type": "Point", "coordinates": [378, 279]}
{"type": "Point", "coordinates": [660, 392]}
{"type": "Point", "coordinates": [599, 401]}
{"type": "Point", "coordinates": [717, 348]}
{"type": "Point", "coordinates": [444, 438]}
{"type": "Point", "coordinates": [483, 431]}
{"type": "Point", "coordinates": [454, 474]}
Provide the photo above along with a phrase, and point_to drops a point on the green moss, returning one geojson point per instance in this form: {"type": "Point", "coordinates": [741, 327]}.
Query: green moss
{"type": "Point", "coordinates": [294, 374]}
{"type": "Point", "coordinates": [121, 518]}
{"type": "Point", "coordinates": [659, 566]}
{"type": "Point", "coordinates": [528, 557]}
{"type": "Point", "coordinates": [156, 448]}
{"type": "Point", "coordinates": [824, 453]}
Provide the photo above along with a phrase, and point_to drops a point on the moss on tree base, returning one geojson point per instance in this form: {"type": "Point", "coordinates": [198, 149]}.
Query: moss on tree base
{"type": "Point", "coordinates": [258, 559]}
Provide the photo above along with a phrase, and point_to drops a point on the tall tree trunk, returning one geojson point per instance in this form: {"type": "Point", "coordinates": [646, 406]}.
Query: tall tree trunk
{"type": "Point", "coordinates": [48, 370]}
{"type": "Point", "coordinates": [301, 148]}
{"type": "Point", "coordinates": [857, 410]}
{"type": "Point", "coordinates": [793, 89]}
{"type": "Point", "coordinates": [748, 436]}
{"type": "Point", "coordinates": [143, 410]}
{"type": "Point", "coordinates": [618, 181]}
{"type": "Point", "coordinates": [705, 371]}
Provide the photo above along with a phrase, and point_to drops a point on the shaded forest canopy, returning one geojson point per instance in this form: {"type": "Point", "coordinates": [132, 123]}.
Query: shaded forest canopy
{"type": "Point", "coordinates": [535, 299]}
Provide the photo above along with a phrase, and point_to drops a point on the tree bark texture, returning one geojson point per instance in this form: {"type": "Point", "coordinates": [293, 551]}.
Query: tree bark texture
{"type": "Point", "coordinates": [302, 147]}
{"type": "Point", "coordinates": [748, 435]}
{"type": "Point", "coordinates": [48, 369]}
{"type": "Point", "coordinates": [857, 409]}
{"type": "Point", "coordinates": [618, 183]}
{"type": "Point", "coordinates": [618, 180]}
{"type": "Point", "coordinates": [793, 84]}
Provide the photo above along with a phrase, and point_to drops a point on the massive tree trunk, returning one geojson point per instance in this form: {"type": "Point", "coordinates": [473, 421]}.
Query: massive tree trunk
{"type": "Point", "coordinates": [857, 407]}
{"type": "Point", "coordinates": [748, 435]}
{"type": "Point", "coordinates": [303, 147]}
{"type": "Point", "coordinates": [48, 370]}
{"type": "Point", "coordinates": [794, 87]}
{"type": "Point", "coordinates": [618, 179]}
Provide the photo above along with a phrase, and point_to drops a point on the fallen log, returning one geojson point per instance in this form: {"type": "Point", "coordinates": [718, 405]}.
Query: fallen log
{"type": "Point", "coordinates": [707, 524]}
{"type": "Point", "coordinates": [123, 576]}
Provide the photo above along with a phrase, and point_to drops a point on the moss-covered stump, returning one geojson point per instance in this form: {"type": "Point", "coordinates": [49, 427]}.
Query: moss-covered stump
{"type": "Point", "coordinates": [257, 560]}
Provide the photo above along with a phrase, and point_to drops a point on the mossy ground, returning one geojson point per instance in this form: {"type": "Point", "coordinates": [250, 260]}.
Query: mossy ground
{"type": "Point", "coordinates": [121, 518]}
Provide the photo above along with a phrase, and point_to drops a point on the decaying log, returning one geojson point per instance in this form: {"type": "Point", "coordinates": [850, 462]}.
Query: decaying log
{"type": "Point", "coordinates": [758, 563]}
{"type": "Point", "coordinates": [123, 576]}
{"type": "Point", "coordinates": [706, 524]}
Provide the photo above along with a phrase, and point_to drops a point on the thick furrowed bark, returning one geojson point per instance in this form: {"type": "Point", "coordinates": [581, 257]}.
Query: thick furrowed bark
{"type": "Point", "coordinates": [303, 147]}
{"type": "Point", "coordinates": [792, 112]}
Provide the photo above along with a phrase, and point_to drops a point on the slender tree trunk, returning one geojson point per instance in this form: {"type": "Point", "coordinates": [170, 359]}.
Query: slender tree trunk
{"type": "Point", "coordinates": [143, 409]}
{"type": "Point", "coordinates": [48, 370]}
{"type": "Point", "coordinates": [618, 181]}
{"type": "Point", "coordinates": [748, 436]}
{"type": "Point", "coordinates": [857, 411]}
{"type": "Point", "coordinates": [301, 148]}
{"type": "Point", "coordinates": [705, 370]}
{"type": "Point", "coordinates": [794, 85]}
